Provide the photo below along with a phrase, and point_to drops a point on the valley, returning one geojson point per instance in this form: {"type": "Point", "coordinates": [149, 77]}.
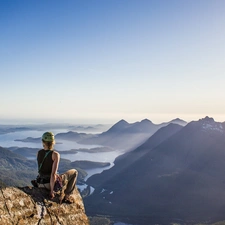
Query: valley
{"type": "Point", "coordinates": [168, 173]}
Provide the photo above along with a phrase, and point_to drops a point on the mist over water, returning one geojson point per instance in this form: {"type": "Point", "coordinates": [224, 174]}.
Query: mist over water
{"type": "Point", "coordinates": [8, 140]}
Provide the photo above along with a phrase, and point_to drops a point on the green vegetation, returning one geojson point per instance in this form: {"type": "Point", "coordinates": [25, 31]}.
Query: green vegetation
{"type": "Point", "coordinates": [2, 185]}
{"type": "Point", "coordinates": [17, 178]}
{"type": "Point", "coordinates": [97, 220]}
{"type": "Point", "coordinates": [25, 151]}
{"type": "Point", "coordinates": [16, 170]}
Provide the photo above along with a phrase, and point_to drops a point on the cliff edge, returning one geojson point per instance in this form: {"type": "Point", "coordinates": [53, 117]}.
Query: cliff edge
{"type": "Point", "coordinates": [31, 206]}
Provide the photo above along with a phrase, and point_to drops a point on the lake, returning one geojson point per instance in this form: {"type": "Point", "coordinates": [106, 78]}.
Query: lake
{"type": "Point", "coordinates": [8, 140]}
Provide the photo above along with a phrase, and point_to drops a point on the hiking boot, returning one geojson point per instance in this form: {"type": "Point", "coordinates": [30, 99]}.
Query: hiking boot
{"type": "Point", "coordinates": [69, 199]}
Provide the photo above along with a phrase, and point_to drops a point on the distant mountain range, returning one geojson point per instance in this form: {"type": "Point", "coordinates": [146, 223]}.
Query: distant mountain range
{"type": "Point", "coordinates": [122, 136]}
{"type": "Point", "coordinates": [170, 172]}
{"type": "Point", "coordinates": [127, 136]}
{"type": "Point", "coordinates": [4, 129]}
{"type": "Point", "coordinates": [73, 136]}
{"type": "Point", "coordinates": [177, 175]}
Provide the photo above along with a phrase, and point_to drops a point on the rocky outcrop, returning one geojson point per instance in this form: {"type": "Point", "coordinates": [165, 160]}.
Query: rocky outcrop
{"type": "Point", "coordinates": [31, 206]}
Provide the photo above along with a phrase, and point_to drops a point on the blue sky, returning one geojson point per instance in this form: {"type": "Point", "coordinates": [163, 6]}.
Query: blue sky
{"type": "Point", "coordinates": [99, 61]}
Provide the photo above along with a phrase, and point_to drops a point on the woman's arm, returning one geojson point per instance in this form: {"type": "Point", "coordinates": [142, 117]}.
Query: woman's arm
{"type": "Point", "coordinates": [55, 158]}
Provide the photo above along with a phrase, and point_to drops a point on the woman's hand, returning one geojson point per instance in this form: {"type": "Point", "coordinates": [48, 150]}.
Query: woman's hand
{"type": "Point", "coordinates": [52, 194]}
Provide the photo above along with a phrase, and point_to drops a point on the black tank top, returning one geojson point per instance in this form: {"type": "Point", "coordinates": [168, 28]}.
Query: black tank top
{"type": "Point", "coordinates": [46, 168]}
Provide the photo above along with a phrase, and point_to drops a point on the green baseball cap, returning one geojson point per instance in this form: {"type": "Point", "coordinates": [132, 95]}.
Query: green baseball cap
{"type": "Point", "coordinates": [48, 136]}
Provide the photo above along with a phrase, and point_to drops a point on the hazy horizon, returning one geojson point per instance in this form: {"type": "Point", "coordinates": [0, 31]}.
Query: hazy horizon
{"type": "Point", "coordinates": [91, 121]}
{"type": "Point", "coordinates": [101, 61]}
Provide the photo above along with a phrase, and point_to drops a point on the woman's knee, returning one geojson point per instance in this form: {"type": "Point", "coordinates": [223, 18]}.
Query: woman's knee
{"type": "Point", "coordinates": [72, 173]}
{"type": "Point", "coordinates": [75, 172]}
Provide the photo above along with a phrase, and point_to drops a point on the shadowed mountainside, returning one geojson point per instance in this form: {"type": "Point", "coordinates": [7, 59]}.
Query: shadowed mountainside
{"type": "Point", "coordinates": [16, 169]}
{"type": "Point", "coordinates": [179, 179]}
{"type": "Point", "coordinates": [127, 159]}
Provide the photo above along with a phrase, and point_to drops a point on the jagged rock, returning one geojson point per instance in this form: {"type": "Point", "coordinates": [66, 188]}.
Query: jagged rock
{"type": "Point", "coordinates": [31, 206]}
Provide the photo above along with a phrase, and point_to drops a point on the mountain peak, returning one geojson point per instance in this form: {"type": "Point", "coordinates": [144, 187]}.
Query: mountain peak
{"type": "Point", "coordinates": [122, 124]}
{"type": "Point", "coordinates": [209, 124]}
{"type": "Point", "coordinates": [207, 119]}
{"type": "Point", "coordinates": [146, 121]}
{"type": "Point", "coordinates": [179, 121]}
{"type": "Point", "coordinates": [122, 121]}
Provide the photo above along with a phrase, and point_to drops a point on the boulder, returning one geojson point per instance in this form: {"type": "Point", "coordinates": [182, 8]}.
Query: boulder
{"type": "Point", "coordinates": [32, 206]}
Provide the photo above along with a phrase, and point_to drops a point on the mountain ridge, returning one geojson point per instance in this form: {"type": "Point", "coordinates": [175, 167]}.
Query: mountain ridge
{"type": "Point", "coordinates": [183, 177]}
{"type": "Point", "coordinates": [128, 158]}
{"type": "Point", "coordinates": [126, 136]}
{"type": "Point", "coordinates": [121, 136]}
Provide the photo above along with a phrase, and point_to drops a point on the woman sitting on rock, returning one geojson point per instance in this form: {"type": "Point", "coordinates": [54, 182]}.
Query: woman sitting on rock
{"type": "Point", "coordinates": [48, 161]}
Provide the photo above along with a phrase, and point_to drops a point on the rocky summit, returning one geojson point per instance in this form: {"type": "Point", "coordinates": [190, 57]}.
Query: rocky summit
{"type": "Point", "coordinates": [31, 206]}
